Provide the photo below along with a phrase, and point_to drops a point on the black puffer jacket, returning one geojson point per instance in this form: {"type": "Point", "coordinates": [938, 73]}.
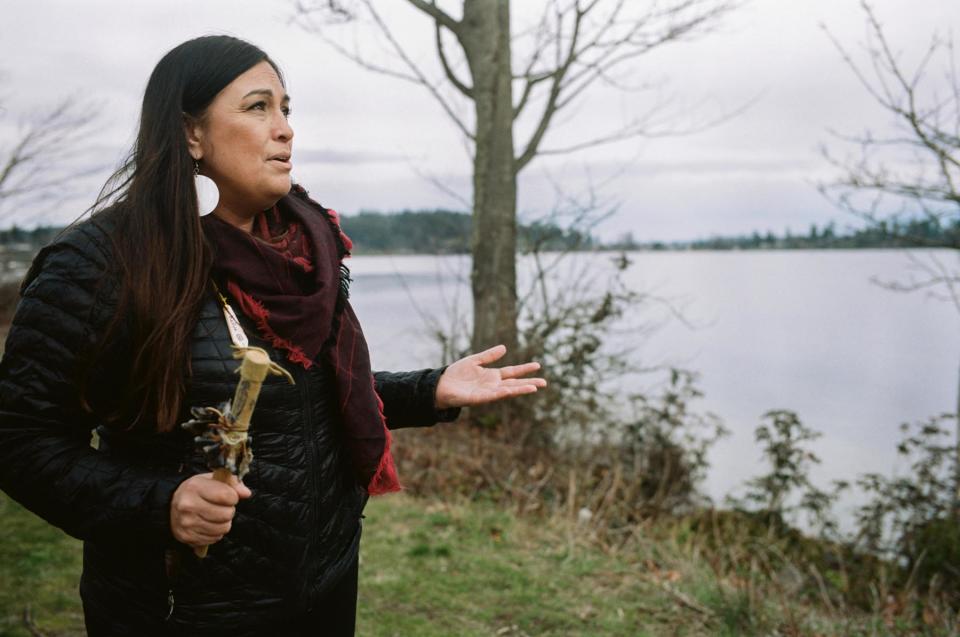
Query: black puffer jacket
{"type": "Point", "coordinates": [289, 542]}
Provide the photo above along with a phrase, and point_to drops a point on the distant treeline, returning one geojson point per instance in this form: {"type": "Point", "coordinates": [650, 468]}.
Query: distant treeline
{"type": "Point", "coordinates": [448, 232]}
{"type": "Point", "coordinates": [39, 236]}
{"type": "Point", "coordinates": [408, 231]}
{"type": "Point", "coordinates": [445, 232]}
{"type": "Point", "coordinates": [914, 233]}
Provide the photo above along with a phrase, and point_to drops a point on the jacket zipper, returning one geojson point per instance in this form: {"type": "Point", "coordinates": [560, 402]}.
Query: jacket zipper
{"type": "Point", "coordinates": [303, 377]}
{"type": "Point", "coordinates": [168, 565]}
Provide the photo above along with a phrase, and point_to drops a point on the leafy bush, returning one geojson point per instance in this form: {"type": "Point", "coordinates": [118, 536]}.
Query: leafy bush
{"type": "Point", "coordinates": [579, 447]}
{"type": "Point", "coordinates": [786, 490]}
{"type": "Point", "coordinates": [913, 519]}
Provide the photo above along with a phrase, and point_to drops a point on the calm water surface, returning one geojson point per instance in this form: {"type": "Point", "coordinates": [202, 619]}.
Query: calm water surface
{"type": "Point", "coordinates": [800, 330]}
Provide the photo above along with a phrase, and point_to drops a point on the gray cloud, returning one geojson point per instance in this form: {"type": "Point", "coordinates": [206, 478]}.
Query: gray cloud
{"type": "Point", "coordinates": [364, 140]}
{"type": "Point", "coordinates": [334, 156]}
{"type": "Point", "coordinates": [720, 166]}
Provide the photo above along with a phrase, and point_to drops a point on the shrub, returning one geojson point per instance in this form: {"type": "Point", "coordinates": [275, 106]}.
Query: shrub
{"type": "Point", "coordinates": [583, 446]}
{"type": "Point", "coordinates": [913, 519]}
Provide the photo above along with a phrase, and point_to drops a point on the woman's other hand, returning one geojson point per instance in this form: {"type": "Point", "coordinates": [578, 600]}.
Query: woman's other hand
{"type": "Point", "coordinates": [468, 382]}
{"type": "Point", "coordinates": [202, 508]}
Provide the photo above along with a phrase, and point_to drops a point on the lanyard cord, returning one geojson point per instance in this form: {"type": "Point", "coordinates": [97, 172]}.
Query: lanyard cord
{"type": "Point", "coordinates": [237, 336]}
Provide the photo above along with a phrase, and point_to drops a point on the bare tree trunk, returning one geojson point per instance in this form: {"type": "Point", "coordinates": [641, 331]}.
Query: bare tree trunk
{"type": "Point", "coordinates": [575, 45]}
{"type": "Point", "coordinates": [956, 466]}
{"type": "Point", "coordinates": [486, 42]}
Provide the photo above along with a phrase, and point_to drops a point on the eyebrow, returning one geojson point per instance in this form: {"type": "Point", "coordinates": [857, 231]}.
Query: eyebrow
{"type": "Point", "coordinates": [267, 92]}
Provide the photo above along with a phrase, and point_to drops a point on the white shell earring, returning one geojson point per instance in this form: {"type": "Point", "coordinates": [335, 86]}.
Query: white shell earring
{"type": "Point", "coordinates": [208, 195]}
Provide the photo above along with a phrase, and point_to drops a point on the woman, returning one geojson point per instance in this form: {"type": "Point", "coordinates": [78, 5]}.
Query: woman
{"type": "Point", "coordinates": [127, 321]}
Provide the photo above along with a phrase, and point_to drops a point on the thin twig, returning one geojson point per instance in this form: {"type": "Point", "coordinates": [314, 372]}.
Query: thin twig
{"type": "Point", "coordinates": [29, 624]}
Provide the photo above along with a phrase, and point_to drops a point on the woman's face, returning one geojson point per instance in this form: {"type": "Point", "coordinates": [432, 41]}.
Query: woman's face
{"type": "Point", "coordinates": [244, 141]}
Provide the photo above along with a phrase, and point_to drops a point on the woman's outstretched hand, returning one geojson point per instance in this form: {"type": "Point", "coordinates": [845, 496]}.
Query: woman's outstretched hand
{"type": "Point", "coordinates": [468, 382]}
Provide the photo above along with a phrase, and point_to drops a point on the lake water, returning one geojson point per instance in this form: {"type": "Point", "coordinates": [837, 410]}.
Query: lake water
{"type": "Point", "coordinates": [800, 330]}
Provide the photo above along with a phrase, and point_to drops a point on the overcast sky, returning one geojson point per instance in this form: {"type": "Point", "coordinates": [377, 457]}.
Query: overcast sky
{"type": "Point", "coordinates": [365, 141]}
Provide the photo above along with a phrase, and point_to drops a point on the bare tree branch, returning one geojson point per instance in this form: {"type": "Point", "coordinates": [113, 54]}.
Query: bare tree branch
{"type": "Point", "coordinates": [416, 70]}
{"type": "Point", "coordinates": [542, 35]}
{"type": "Point", "coordinates": [438, 15]}
{"type": "Point", "coordinates": [588, 41]}
{"type": "Point", "coordinates": [592, 51]}
{"type": "Point", "coordinates": [42, 161]}
{"type": "Point", "coordinates": [357, 59]}
{"type": "Point", "coordinates": [556, 85]}
{"type": "Point", "coordinates": [930, 128]}
{"type": "Point", "coordinates": [587, 48]}
{"type": "Point", "coordinates": [541, 38]}
{"type": "Point", "coordinates": [415, 75]}
{"type": "Point", "coordinates": [441, 186]}
{"type": "Point", "coordinates": [645, 126]}
{"type": "Point", "coordinates": [938, 279]}
{"type": "Point", "coordinates": [462, 87]}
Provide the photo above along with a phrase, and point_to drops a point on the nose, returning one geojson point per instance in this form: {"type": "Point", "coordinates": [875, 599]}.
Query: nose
{"type": "Point", "coordinates": [283, 131]}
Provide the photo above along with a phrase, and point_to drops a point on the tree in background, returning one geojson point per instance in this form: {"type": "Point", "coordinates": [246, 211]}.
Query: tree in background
{"type": "Point", "coordinates": [914, 169]}
{"type": "Point", "coordinates": [574, 46]}
{"type": "Point", "coordinates": [38, 161]}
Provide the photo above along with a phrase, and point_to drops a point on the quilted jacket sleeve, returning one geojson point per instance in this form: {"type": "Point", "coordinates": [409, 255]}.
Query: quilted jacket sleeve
{"type": "Point", "coordinates": [409, 398]}
{"type": "Point", "coordinates": [46, 461]}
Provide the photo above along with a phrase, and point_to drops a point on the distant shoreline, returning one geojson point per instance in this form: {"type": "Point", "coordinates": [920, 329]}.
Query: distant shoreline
{"type": "Point", "coordinates": [446, 232]}
{"type": "Point", "coordinates": [26, 251]}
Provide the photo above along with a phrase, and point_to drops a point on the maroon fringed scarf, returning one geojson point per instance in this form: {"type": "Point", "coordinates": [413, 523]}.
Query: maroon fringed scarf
{"type": "Point", "coordinates": [288, 277]}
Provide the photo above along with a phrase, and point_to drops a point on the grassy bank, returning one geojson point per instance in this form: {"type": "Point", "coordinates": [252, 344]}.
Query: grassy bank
{"type": "Point", "coordinates": [39, 574]}
{"type": "Point", "coordinates": [434, 568]}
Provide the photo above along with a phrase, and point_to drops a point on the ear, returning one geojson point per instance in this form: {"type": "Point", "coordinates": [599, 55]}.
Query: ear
{"type": "Point", "coordinates": [193, 128]}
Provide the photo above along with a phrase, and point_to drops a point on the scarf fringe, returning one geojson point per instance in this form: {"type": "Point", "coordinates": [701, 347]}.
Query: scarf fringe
{"type": "Point", "coordinates": [335, 217]}
{"type": "Point", "coordinates": [385, 480]}
{"type": "Point", "coordinates": [255, 310]}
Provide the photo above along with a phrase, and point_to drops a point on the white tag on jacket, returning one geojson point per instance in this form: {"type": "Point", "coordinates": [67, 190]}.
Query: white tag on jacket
{"type": "Point", "coordinates": [237, 335]}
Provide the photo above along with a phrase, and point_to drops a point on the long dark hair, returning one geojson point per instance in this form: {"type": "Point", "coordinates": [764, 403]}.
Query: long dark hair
{"type": "Point", "coordinates": [149, 206]}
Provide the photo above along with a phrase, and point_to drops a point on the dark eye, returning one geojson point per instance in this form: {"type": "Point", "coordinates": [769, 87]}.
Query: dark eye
{"type": "Point", "coordinates": [261, 105]}
{"type": "Point", "coordinates": [286, 111]}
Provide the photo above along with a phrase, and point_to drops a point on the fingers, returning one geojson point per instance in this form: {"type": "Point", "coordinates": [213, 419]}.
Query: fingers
{"type": "Point", "coordinates": [507, 389]}
{"type": "Point", "coordinates": [215, 515]}
{"type": "Point", "coordinates": [198, 540]}
{"type": "Point", "coordinates": [209, 529]}
{"type": "Point", "coordinates": [515, 371]}
{"type": "Point", "coordinates": [243, 491]}
{"type": "Point", "coordinates": [224, 493]}
{"type": "Point", "coordinates": [497, 352]}
{"type": "Point", "coordinates": [491, 355]}
{"type": "Point", "coordinates": [510, 392]}
{"type": "Point", "coordinates": [202, 509]}
{"type": "Point", "coordinates": [537, 383]}
{"type": "Point", "coordinates": [192, 528]}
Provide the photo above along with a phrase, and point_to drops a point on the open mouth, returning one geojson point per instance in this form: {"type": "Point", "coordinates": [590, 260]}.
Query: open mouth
{"type": "Point", "coordinates": [281, 161]}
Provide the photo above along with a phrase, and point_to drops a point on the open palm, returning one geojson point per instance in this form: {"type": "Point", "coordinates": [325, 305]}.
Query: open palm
{"type": "Point", "coordinates": [468, 382]}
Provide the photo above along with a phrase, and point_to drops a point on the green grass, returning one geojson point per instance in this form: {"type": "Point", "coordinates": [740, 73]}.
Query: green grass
{"type": "Point", "coordinates": [473, 570]}
{"type": "Point", "coordinates": [434, 568]}
{"type": "Point", "coordinates": [39, 570]}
